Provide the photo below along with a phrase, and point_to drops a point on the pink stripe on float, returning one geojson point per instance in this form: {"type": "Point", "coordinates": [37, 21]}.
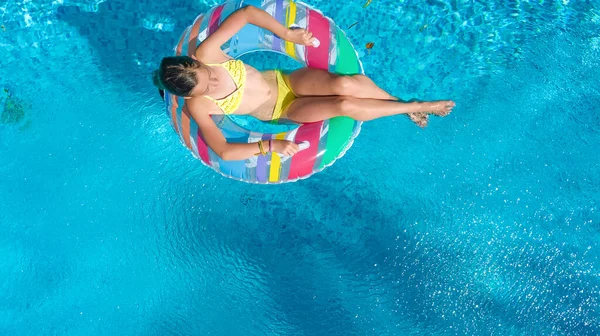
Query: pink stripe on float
{"type": "Point", "coordinates": [318, 25]}
{"type": "Point", "coordinates": [303, 162]}
{"type": "Point", "coordinates": [180, 44]}
{"type": "Point", "coordinates": [202, 148]}
{"type": "Point", "coordinates": [215, 17]}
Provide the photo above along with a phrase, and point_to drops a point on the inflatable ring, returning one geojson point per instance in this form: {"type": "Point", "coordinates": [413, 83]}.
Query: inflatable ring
{"type": "Point", "coordinates": [322, 143]}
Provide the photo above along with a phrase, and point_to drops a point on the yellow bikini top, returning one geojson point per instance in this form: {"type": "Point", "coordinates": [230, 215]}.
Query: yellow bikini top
{"type": "Point", "coordinates": [237, 71]}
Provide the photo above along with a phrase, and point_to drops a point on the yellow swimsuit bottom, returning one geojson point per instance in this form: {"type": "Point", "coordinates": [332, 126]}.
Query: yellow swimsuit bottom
{"type": "Point", "coordinates": [285, 95]}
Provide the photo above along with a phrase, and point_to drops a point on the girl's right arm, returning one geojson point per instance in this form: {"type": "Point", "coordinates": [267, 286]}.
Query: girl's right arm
{"type": "Point", "coordinates": [210, 49]}
{"type": "Point", "coordinates": [236, 151]}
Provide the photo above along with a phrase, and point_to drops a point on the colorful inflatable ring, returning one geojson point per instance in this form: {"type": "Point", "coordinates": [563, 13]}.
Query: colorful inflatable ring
{"type": "Point", "coordinates": [327, 140]}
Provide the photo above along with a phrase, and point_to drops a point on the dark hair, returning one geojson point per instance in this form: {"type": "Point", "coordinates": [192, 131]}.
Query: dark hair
{"type": "Point", "coordinates": [176, 74]}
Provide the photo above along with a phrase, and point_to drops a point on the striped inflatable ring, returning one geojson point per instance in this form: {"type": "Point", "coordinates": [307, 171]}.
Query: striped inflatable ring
{"type": "Point", "coordinates": [328, 140]}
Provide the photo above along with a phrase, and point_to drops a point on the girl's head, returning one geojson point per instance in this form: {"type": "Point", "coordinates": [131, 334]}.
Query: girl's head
{"type": "Point", "coordinates": [184, 77]}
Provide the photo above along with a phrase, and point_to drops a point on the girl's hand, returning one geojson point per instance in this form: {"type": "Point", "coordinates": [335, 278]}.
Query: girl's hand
{"type": "Point", "coordinates": [284, 147]}
{"type": "Point", "coordinates": [300, 36]}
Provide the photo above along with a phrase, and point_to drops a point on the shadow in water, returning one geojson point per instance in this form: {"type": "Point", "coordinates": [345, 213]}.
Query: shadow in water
{"type": "Point", "coordinates": [128, 51]}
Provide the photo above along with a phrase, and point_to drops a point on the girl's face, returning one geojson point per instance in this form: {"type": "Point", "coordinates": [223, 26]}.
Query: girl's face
{"type": "Point", "coordinates": [207, 81]}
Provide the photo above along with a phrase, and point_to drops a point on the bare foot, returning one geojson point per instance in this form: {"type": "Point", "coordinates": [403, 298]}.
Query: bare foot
{"type": "Point", "coordinates": [419, 118]}
{"type": "Point", "coordinates": [439, 108]}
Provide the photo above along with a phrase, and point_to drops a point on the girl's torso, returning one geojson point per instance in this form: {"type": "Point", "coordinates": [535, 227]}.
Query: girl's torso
{"type": "Point", "coordinates": [258, 96]}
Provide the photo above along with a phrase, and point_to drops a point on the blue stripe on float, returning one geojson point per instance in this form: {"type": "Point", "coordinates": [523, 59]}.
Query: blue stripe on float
{"type": "Point", "coordinates": [230, 7]}
{"type": "Point", "coordinates": [255, 3]}
{"type": "Point", "coordinates": [193, 132]}
{"type": "Point", "coordinates": [277, 42]}
{"type": "Point", "coordinates": [236, 169]}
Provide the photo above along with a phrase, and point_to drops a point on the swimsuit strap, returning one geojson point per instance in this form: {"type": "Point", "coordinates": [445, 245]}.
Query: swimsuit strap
{"type": "Point", "coordinates": [237, 72]}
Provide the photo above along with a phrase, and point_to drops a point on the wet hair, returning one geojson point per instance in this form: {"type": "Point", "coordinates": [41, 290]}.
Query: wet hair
{"type": "Point", "coordinates": [176, 74]}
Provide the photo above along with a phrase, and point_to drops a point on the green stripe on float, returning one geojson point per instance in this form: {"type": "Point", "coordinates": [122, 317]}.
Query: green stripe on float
{"type": "Point", "coordinates": [340, 131]}
{"type": "Point", "coordinates": [347, 60]}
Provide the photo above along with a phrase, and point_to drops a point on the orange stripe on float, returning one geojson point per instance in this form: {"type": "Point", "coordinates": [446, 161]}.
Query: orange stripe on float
{"type": "Point", "coordinates": [174, 106]}
{"type": "Point", "coordinates": [180, 44]}
{"type": "Point", "coordinates": [185, 127]}
{"type": "Point", "coordinates": [194, 36]}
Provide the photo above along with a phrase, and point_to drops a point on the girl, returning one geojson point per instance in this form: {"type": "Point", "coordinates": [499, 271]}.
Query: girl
{"type": "Point", "coordinates": [213, 83]}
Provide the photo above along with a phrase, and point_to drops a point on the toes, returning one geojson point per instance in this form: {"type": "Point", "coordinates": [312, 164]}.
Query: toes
{"type": "Point", "coordinates": [419, 118]}
{"type": "Point", "coordinates": [414, 117]}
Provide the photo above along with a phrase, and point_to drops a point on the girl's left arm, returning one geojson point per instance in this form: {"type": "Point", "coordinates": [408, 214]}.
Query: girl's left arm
{"type": "Point", "coordinates": [211, 47]}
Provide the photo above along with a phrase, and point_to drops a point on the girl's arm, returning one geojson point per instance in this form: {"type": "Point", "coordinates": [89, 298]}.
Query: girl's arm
{"type": "Point", "coordinates": [210, 49]}
{"type": "Point", "coordinates": [236, 151]}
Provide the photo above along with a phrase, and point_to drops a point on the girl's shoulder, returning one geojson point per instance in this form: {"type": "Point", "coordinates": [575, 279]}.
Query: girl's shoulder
{"type": "Point", "coordinates": [202, 105]}
{"type": "Point", "coordinates": [212, 56]}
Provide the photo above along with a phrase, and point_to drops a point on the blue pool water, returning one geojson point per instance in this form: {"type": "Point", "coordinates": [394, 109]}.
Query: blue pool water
{"type": "Point", "coordinates": [485, 223]}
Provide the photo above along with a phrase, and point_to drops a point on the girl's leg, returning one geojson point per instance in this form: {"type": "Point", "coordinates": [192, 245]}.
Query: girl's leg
{"type": "Point", "coordinates": [315, 82]}
{"type": "Point", "coordinates": [311, 109]}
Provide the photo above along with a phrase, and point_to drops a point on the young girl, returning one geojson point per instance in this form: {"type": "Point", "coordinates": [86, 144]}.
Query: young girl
{"type": "Point", "coordinates": [213, 83]}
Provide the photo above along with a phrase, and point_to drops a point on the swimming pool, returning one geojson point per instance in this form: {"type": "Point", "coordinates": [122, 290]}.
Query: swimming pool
{"type": "Point", "coordinates": [484, 223]}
